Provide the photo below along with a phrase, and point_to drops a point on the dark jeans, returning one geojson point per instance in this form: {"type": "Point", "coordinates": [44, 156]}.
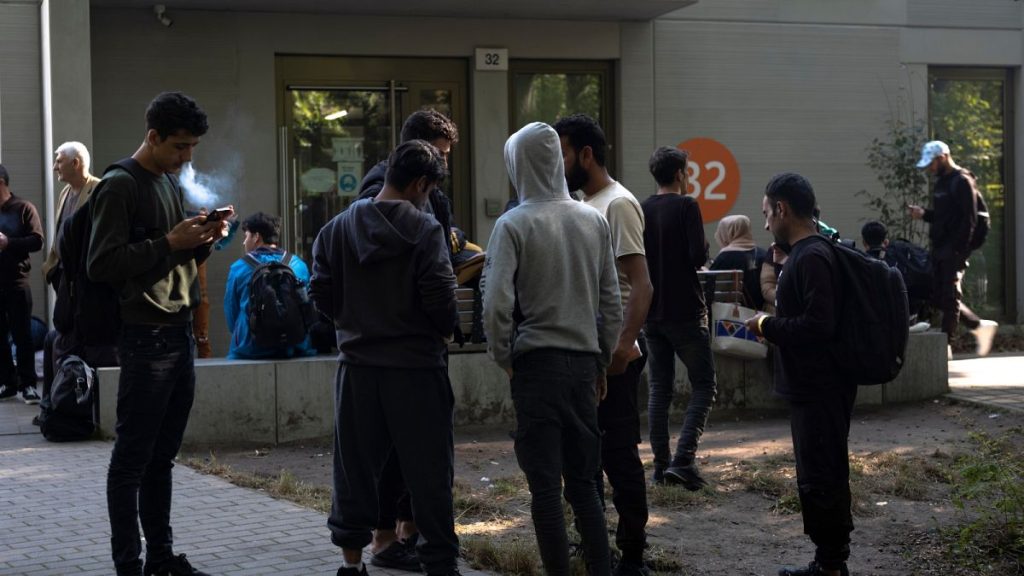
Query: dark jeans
{"type": "Point", "coordinates": [821, 429]}
{"type": "Point", "coordinates": [557, 439]}
{"type": "Point", "coordinates": [380, 410]}
{"type": "Point", "coordinates": [618, 418]}
{"type": "Point", "coordinates": [154, 397]}
{"type": "Point", "coordinates": [949, 297]}
{"type": "Point", "coordinates": [16, 321]}
{"type": "Point", "coordinates": [691, 342]}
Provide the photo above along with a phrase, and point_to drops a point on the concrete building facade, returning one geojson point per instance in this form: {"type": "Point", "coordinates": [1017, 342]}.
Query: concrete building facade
{"type": "Point", "coordinates": [778, 84]}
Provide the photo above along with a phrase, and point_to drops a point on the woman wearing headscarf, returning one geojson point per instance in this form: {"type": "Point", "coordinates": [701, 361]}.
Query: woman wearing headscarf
{"type": "Point", "coordinates": [738, 252]}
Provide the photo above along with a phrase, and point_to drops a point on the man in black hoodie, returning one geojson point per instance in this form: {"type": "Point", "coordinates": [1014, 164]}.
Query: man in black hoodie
{"type": "Point", "coordinates": [819, 394]}
{"type": "Point", "coordinates": [381, 272]}
{"type": "Point", "coordinates": [395, 535]}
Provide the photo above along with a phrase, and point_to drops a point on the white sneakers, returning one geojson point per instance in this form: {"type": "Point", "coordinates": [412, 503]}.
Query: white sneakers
{"type": "Point", "coordinates": [984, 334]}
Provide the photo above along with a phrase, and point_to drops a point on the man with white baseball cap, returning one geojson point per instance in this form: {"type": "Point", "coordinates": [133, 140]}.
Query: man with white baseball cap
{"type": "Point", "coordinates": [952, 219]}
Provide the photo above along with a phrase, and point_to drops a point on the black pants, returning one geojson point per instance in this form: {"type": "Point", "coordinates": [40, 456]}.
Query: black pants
{"type": "Point", "coordinates": [557, 439]}
{"type": "Point", "coordinates": [949, 297]}
{"type": "Point", "coordinates": [16, 321]}
{"type": "Point", "coordinates": [821, 429]}
{"type": "Point", "coordinates": [619, 421]}
{"type": "Point", "coordinates": [392, 496]}
{"type": "Point", "coordinates": [154, 397]}
{"type": "Point", "coordinates": [380, 410]}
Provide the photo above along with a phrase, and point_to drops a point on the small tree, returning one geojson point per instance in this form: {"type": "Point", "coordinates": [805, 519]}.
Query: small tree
{"type": "Point", "coordinates": [894, 160]}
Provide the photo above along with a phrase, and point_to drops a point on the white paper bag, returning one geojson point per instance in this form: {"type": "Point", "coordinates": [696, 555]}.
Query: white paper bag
{"type": "Point", "coordinates": [730, 336]}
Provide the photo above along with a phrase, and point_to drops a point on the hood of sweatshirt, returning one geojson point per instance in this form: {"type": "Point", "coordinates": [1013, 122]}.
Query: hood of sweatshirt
{"type": "Point", "coordinates": [384, 229]}
{"type": "Point", "coordinates": [533, 156]}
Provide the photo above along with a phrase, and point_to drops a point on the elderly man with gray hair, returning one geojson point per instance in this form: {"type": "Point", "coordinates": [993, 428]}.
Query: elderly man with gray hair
{"type": "Point", "coordinates": [71, 163]}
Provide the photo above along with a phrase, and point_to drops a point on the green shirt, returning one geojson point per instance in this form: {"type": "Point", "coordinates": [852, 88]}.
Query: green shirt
{"type": "Point", "coordinates": [156, 286]}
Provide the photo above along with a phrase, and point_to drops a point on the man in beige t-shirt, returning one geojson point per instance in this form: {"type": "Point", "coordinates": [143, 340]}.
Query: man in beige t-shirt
{"type": "Point", "coordinates": [584, 149]}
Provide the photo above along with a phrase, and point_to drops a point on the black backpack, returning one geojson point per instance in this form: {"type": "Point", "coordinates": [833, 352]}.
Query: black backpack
{"type": "Point", "coordinates": [982, 221]}
{"type": "Point", "coordinates": [279, 310]}
{"type": "Point", "coordinates": [873, 322]}
{"type": "Point", "coordinates": [69, 413]}
{"type": "Point", "coordinates": [915, 264]}
{"type": "Point", "coordinates": [92, 310]}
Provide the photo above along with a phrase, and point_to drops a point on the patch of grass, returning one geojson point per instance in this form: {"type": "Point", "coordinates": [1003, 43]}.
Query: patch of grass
{"type": "Point", "coordinates": [894, 474]}
{"type": "Point", "coordinates": [472, 504]}
{"type": "Point", "coordinates": [774, 478]}
{"type": "Point", "coordinates": [677, 497]}
{"type": "Point", "coordinates": [514, 557]}
{"type": "Point", "coordinates": [509, 487]}
{"type": "Point", "coordinates": [284, 486]}
{"type": "Point", "coordinates": [989, 494]}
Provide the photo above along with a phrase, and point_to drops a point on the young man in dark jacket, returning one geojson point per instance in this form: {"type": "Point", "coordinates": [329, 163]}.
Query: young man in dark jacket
{"type": "Point", "coordinates": [820, 396]}
{"type": "Point", "coordinates": [677, 321]}
{"type": "Point", "coordinates": [381, 272]}
{"type": "Point", "coordinates": [21, 233]}
{"type": "Point", "coordinates": [152, 262]}
{"type": "Point", "coordinates": [951, 220]}
{"type": "Point", "coordinates": [395, 536]}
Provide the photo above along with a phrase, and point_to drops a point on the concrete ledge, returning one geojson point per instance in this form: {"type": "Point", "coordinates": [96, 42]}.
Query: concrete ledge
{"type": "Point", "coordinates": [270, 402]}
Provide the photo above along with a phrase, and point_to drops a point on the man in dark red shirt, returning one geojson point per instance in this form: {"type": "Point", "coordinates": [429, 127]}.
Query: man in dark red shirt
{"type": "Point", "coordinates": [21, 234]}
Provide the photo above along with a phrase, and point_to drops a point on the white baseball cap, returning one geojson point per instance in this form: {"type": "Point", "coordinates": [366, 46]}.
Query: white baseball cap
{"type": "Point", "coordinates": [931, 151]}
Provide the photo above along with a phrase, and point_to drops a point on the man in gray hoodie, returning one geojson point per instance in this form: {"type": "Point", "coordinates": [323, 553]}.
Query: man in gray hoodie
{"type": "Point", "coordinates": [381, 271]}
{"type": "Point", "coordinates": [552, 316]}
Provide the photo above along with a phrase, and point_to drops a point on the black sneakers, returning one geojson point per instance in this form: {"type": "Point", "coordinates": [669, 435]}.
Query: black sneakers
{"type": "Point", "coordinates": [686, 476]}
{"type": "Point", "coordinates": [352, 571]}
{"type": "Point", "coordinates": [8, 391]}
{"type": "Point", "coordinates": [173, 566]}
{"type": "Point", "coordinates": [397, 555]}
{"type": "Point", "coordinates": [812, 569]}
{"type": "Point", "coordinates": [627, 568]}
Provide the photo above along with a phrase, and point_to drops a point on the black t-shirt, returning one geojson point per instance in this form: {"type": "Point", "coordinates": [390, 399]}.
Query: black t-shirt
{"type": "Point", "coordinates": [676, 248]}
{"type": "Point", "coordinates": [805, 328]}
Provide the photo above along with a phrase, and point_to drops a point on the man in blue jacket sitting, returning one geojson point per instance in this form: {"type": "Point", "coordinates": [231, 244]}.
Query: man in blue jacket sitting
{"type": "Point", "coordinates": [260, 243]}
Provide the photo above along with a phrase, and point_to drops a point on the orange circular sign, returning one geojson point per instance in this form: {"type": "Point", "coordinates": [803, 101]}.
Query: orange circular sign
{"type": "Point", "coordinates": [712, 177]}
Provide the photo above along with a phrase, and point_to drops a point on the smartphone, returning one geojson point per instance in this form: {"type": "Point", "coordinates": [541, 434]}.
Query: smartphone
{"type": "Point", "coordinates": [218, 214]}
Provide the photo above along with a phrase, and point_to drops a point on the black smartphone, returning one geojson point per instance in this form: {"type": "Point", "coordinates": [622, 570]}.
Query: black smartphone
{"type": "Point", "coordinates": [218, 214]}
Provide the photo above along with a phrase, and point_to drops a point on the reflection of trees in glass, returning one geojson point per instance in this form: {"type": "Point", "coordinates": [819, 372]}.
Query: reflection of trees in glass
{"type": "Point", "coordinates": [367, 118]}
{"type": "Point", "coordinates": [548, 97]}
{"type": "Point", "coordinates": [968, 115]}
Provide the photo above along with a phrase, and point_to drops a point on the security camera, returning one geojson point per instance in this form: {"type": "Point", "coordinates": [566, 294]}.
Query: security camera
{"type": "Point", "coordinates": [161, 14]}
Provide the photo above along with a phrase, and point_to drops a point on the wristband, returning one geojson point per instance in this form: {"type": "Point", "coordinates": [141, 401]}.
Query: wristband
{"type": "Point", "coordinates": [760, 324]}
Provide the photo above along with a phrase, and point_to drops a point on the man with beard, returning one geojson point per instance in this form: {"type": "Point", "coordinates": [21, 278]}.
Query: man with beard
{"type": "Point", "coordinates": [819, 394]}
{"type": "Point", "coordinates": [584, 150]}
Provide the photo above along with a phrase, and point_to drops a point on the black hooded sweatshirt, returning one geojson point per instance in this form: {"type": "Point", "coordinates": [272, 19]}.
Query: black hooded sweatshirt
{"type": "Point", "coordinates": [439, 205]}
{"type": "Point", "coordinates": [381, 271]}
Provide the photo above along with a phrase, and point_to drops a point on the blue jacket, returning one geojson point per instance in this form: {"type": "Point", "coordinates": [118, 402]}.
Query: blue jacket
{"type": "Point", "coordinates": [236, 302]}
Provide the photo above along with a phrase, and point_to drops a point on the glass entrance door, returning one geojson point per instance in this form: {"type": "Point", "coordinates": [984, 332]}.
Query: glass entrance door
{"type": "Point", "coordinates": [336, 129]}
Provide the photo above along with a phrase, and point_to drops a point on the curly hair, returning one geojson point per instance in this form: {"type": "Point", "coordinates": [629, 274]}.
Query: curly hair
{"type": "Point", "coordinates": [412, 160]}
{"type": "Point", "coordinates": [429, 125]}
{"type": "Point", "coordinates": [171, 112]}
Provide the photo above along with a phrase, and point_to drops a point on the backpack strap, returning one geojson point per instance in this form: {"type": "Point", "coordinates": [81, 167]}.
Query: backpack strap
{"type": "Point", "coordinates": [286, 258]}
{"type": "Point", "coordinates": [251, 261]}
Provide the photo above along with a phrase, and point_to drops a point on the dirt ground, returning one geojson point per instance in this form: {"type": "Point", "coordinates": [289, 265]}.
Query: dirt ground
{"type": "Point", "coordinates": [745, 523]}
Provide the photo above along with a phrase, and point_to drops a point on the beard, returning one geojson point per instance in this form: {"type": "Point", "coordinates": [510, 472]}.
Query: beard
{"type": "Point", "coordinates": [576, 178]}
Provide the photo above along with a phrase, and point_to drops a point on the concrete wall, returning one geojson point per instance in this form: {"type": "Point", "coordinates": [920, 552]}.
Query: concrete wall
{"type": "Point", "coordinates": [805, 85]}
{"type": "Point", "coordinates": [21, 114]}
{"type": "Point", "coordinates": [226, 61]}
{"type": "Point", "coordinates": [268, 402]}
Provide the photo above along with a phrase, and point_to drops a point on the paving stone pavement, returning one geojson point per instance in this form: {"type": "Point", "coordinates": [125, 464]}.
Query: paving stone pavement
{"type": "Point", "coordinates": [996, 381]}
{"type": "Point", "coordinates": [53, 515]}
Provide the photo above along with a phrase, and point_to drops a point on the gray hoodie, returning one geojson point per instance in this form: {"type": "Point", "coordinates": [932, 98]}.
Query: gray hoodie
{"type": "Point", "coordinates": [549, 280]}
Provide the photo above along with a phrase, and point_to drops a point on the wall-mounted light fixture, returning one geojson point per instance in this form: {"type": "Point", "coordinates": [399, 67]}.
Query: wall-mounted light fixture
{"type": "Point", "coordinates": [336, 115]}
